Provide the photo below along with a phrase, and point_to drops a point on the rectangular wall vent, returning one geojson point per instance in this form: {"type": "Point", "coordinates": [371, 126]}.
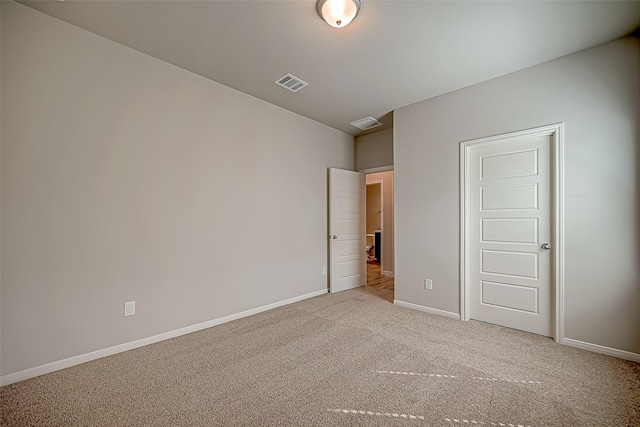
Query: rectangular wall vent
{"type": "Point", "coordinates": [366, 123]}
{"type": "Point", "coordinates": [291, 82]}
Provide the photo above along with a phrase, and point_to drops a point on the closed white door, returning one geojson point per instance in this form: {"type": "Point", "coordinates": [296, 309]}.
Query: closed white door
{"type": "Point", "coordinates": [346, 230]}
{"type": "Point", "coordinates": [510, 227]}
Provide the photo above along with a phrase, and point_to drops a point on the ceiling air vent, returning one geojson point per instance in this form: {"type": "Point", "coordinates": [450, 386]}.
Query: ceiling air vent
{"type": "Point", "coordinates": [366, 123]}
{"type": "Point", "coordinates": [291, 82]}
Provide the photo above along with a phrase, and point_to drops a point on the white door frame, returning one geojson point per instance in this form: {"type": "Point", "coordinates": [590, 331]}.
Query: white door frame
{"type": "Point", "coordinates": [384, 242]}
{"type": "Point", "coordinates": [556, 132]}
{"type": "Point", "coordinates": [380, 183]}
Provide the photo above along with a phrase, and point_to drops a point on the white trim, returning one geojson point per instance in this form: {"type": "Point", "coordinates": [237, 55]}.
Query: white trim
{"type": "Point", "coordinates": [465, 182]}
{"type": "Point", "coordinates": [386, 238]}
{"type": "Point", "coordinates": [376, 170]}
{"type": "Point", "coordinates": [621, 354]}
{"type": "Point", "coordinates": [558, 230]}
{"type": "Point", "coordinates": [426, 309]}
{"type": "Point", "coordinates": [379, 182]}
{"type": "Point", "coordinates": [556, 131]}
{"type": "Point", "coordinates": [83, 358]}
{"type": "Point", "coordinates": [392, 239]}
{"type": "Point", "coordinates": [363, 228]}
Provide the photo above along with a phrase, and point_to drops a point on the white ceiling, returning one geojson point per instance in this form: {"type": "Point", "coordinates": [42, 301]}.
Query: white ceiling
{"type": "Point", "coordinates": [393, 54]}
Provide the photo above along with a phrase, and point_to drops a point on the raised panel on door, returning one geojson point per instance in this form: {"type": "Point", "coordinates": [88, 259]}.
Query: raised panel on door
{"type": "Point", "coordinates": [509, 165]}
{"type": "Point", "coordinates": [347, 226]}
{"type": "Point", "coordinates": [513, 297]}
{"type": "Point", "coordinates": [348, 205]}
{"type": "Point", "coordinates": [524, 196]}
{"type": "Point", "coordinates": [348, 268]}
{"type": "Point", "coordinates": [344, 248]}
{"type": "Point", "coordinates": [508, 263]}
{"type": "Point", "coordinates": [509, 230]}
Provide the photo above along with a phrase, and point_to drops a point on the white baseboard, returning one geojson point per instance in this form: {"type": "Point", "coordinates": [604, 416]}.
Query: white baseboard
{"type": "Point", "coordinates": [620, 354]}
{"type": "Point", "coordinates": [426, 309]}
{"type": "Point", "coordinates": [387, 273]}
{"type": "Point", "coordinates": [83, 358]}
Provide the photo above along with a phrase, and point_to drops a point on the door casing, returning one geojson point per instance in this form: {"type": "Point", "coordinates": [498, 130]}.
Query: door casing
{"type": "Point", "coordinates": [386, 241]}
{"type": "Point", "coordinates": [556, 132]}
{"type": "Point", "coordinates": [380, 184]}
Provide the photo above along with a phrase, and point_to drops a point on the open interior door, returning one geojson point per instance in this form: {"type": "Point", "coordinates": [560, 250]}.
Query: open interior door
{"type": "Point", "coordinates": [346, 230]}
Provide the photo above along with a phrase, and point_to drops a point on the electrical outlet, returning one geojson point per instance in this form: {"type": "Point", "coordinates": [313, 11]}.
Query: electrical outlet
{"type": "Point", "coordinates": [428, 285]}
{"type": "Point", "coordinates": [129, 308]}
{"type": "Point", "coordinates": [324, 271]}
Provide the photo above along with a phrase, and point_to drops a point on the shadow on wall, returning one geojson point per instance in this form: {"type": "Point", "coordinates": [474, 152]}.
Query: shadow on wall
{"type": "Point", "coordinates": [626, 105]}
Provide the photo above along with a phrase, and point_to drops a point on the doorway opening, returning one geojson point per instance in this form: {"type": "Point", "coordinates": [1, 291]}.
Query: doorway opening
{"type": "Point", "coordinates": [379, 233]}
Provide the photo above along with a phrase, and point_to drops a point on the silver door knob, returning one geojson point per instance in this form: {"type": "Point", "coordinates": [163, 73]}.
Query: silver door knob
{"type": "Point", "coordinates": [333, 236]}
{"type": "Point", "coordinates": [546, 246]}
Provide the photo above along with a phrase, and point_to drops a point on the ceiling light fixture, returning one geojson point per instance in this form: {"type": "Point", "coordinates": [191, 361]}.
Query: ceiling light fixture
{"type": "Point", "coordinates": [338, 13]}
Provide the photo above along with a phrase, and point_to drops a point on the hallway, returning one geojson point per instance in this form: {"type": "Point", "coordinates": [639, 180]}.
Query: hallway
{"type": "Point", "coordinates": [384, 286]}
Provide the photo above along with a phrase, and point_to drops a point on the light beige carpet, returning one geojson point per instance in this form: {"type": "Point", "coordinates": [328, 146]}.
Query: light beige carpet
{"type": "Point", "coordinates": [350, 358]}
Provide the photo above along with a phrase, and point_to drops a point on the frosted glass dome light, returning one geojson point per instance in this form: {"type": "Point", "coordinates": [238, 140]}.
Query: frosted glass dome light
{"type": "Point", "coordinates": [338, 13]}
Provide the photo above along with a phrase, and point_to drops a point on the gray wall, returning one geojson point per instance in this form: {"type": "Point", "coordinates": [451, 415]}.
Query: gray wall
{"type": "Point", "coordinates": [126, 178]}
{"type": "Point", "coordinates": [374, 150]}
{"type": "Point", "coordinates": [596, 94]}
